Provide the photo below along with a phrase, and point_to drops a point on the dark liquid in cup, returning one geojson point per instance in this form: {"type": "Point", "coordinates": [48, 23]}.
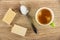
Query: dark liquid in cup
{"type": "Point", "coordinates": [44, 16]}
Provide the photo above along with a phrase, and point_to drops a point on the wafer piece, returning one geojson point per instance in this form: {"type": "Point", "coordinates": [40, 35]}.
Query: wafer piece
{"type": "Point", "coordinates": [9, 16]}
{"type": "Point", "coordinates": [19, 30]}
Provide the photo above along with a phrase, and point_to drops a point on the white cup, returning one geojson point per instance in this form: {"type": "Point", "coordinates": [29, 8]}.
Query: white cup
{"type": "Point", "coordinates": [52, 14]}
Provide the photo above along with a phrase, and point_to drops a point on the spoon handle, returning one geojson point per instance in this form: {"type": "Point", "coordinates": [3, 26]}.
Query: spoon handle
{"type": "Point", "coordinates": [33, 26]}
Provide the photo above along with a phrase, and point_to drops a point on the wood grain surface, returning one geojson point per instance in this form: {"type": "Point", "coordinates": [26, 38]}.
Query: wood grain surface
{"type": "Point", "coordinates": [44, 32]}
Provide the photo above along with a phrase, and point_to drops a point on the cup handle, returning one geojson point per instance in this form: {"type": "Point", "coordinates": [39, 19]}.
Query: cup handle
{"type": "Point", "coordinates": [52, 25]}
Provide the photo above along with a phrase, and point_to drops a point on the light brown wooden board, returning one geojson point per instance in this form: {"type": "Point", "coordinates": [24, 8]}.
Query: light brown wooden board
{"type": "Point", "coordinates": [44, 32]}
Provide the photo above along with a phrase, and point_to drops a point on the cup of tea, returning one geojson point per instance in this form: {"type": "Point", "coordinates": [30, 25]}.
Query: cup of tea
{"type": "Point", "coordinates": [45, 16]}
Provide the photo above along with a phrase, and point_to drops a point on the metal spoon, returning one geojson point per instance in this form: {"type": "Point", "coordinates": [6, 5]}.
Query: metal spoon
{"type": "Point", "coordinates": [25, 11]}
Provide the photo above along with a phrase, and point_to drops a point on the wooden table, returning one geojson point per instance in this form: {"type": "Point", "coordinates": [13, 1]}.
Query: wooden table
{"type": "Point", "coordinates": [44, 32]}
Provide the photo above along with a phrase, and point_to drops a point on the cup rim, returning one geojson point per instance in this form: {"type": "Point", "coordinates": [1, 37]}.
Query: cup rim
{"type": "Point", "coordinates": [52, 13]}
